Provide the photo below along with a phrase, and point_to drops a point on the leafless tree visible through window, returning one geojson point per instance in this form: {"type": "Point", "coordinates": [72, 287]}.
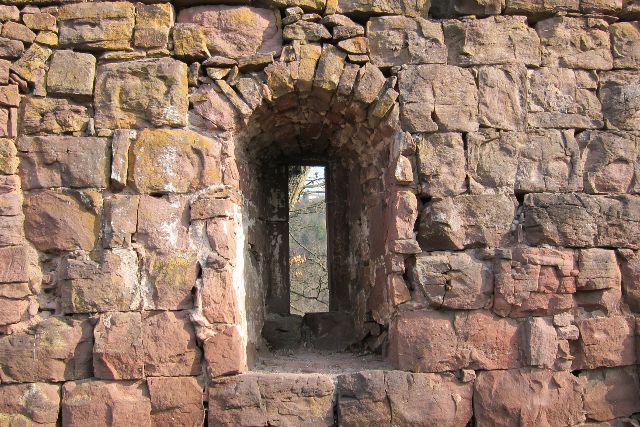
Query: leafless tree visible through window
{"type": "Point", "coordinates": [309, 282]}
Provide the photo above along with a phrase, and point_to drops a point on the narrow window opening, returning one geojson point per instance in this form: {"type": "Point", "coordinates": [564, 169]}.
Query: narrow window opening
{"type": "Point", "coordinates": [308, 243]}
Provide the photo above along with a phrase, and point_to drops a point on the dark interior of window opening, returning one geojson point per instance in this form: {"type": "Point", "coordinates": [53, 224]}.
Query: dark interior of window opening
{"type": "Point", "coordinates": [308, 262]}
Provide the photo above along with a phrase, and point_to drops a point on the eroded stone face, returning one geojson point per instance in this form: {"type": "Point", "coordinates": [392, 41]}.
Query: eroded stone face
{"type": "Point", "coordinates": [236, 31]}
{"type": "Point", "coordinates": [438, 98]}
{"type": "Point", "coordinates": [555, 397]}
{"type": "Point", "coordinates": [262, 399]}
{"type": "Point", "coordinates": [138, 94]}
{"type": "Point", "coordinates": [118, 352]}
{"type": "Point", "coordinates": [62, 220]}
{"type": "Point", "coordinates": [54, 350]}
{"type": "Point", "coordinates": [173, 161]}
{"type": "Point", "coordinates": [378, 397]}
{"type": "Point", "coordinates": [117, 403]}
{"type": "Point", "coordinates": [36, 403]}
{"type": "Point", "coordinates": [75, 162]}
{"type": "Point", "coordinates": [176, 400]}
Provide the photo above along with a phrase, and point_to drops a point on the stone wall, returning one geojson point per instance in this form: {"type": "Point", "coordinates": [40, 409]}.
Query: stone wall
{"type": "Point", "coordinates": [486, 154]}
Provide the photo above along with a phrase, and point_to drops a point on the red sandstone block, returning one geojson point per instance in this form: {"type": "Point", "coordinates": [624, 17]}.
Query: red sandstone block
{"type": "Point", "coordinates": [256, 399]}
{"type": "Point", "coordinates": [176, 401]}
{"type": "Point", "coordinates": [605, 342]}
{"type": "Point", "coordinates": [102, 403]}
{"type": "Point", "coordinates": [611, 393]}
{"type": "Point", "coordinates": [224, 353]}
{"type": "Point", "coordinates": [219, 300]}
{"type": "Point", "coordinates": [118, 352]}
{"type": "Point", "coordinates": [527, 397]}
{"type": "Point", "coordinates": [29, 404]}
{"type": "Point", "coordinates": [170, 347]}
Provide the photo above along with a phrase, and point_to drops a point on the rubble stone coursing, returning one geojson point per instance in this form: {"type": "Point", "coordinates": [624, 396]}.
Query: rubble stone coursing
{"type": "Point", "coordinates": [488, 156]}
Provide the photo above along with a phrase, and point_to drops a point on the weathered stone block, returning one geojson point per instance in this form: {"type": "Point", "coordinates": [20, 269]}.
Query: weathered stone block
{"type": "Point", "coordinates": [153, 23]}
{"type": "Point", "coordinates": [163, 223]}
{"type": "Point", "coordinates": [174, 161]}
{"type": "Point", "coordinates": [610, 161]}
{"type": "Point", "coordinates": [14, 264]}
{"type": "Point", "coordinates": [433, 341]}
{"type": "Point", "coordinates": [221, 234]}
{"type": "Point", "coordinates": [170, 279]}
{"type": "Point", "coordinates": [57, 161]}
{"type": "Point", "coordinates": [29, 404]}
{"type": "Point", "coordinates": [329, 70]}
{"type": "Point", "coordinates": [56, 349]}
{"type": "Point", "coordinates": [305, 30]}
{"type": "Point", "coordinates": [418, 8]}
{"type": "Point", "coordinates": [120, 219]}
{"type": "Point", "coordinates": [553, 398]}
{"type": "Point", "coordinates": [11, 230]}
{"type": "Point", "coordinates": [189, 42]}
{"type": "Point", "coordinates": [399, 40]}
{"type": "Point", "coordinates": [40, 21]}
{"type": "Point", "coordinates": [236, 31]}
{"type": "Point", "coordinates": [176, 401]}
{"type": "Point", "coordinates": [605, 342]}
{"type": "Point", "coordinates": [581, 220]}
{"type": "Point", "coordinates": [563, 98]}
{"type": "Point", "coordinates": [466, 221]}
{"type": "Point", "coordinates": [534, 282]}
{"type": "Point", "coordinates": [219, 298]}
{"type": "Point", "coordinates": [225, 353]}
{"type": "Point", "coordinates": [404, 210]}
{"type": "Point", "coordinates": [138, 94]}
{"type": "Point", "coordinates": [118, 353]}
{"type": "Point", "coordinates": [630, 269]}
{"type": "Point", "coordinates": [388, 397]}
{"type": "Point", "coordinates": [620, 100]}
{"type": "Point", "coordinates": [540, 8]}
{"type": "Point", "coordinates": [492, 158]}
{"type": "Point", "coordinates": [542, 343]}
{"type": "Point", "coordinates": [116, 403]}
{"type": "Point", "coordinates": [8, 157]}
{"type": "Point", "coordinates": [438, 98]}
{"type": "Point", "coordinates": [502, 97]}
{"type": "Point", "coordinates": [97, 26]}
{"type": "Point", "coordinates": [15, 31]}
{"type": "Point", "coordinates": [625, 39]}
{"type": "Point", "coordinates": [71, 73]}
{"type": "Point", "coordinates": [110, 283]}
{"type": "Point", "coordinates": [169, 345]}
{"type": "Point", "coordinates": [491, 41]}
{"type": "Point", "coordinates": [460, 280]}
{"type": "Point", "coordinates": [598, 269]}
{"type": "Point", "coordinates": [611, 393]}
{"type": "Point", "coordinates": [441, 164]}
{"type": "Point", "coordinates": [52, 116]}
{"type": "Point", "coordinates": [263, 399]}
{"type": "Point", "coordinates": [11, 49]}
{"type": "Point", "coordinates": [575, 43]}
{"type": "Point", "coordinates": [62, 220]}
{"type": "Point", "coordinates": [14, 309]}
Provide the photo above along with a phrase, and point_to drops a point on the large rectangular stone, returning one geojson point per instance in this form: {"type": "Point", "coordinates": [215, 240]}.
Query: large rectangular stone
{"type": "Point", "coordinates": [491, 41]}
{"type": "Point", "coordinates": [605, 342]}
{"type": "Point", "coordinates": [527, 397]}
{"type": "Point", "coordinates": [386, 398]}
{"type": "Point", "coordinates": [14, 264]}
{"type": "Point", "coordinates": [400, 40]}
{"type": "Point", "coordinates": [58, 161]}
{"type": "Point", "coordinates": [625, 40]}
{"type": "Point", "coordinates": [611, 393]}
{"type": "Point", "coordinates": [109, 284]}
{"type": "Point", "coordinates": [502, 96]}
{"type": "Point", "coordinates": [441, 164]}
{"type": "Point", "coordinates": [467, 221]}
{"type": "Point", "coordinates": [459, 280]}
{"type": "Point", "coordinates": [29, 404]}
{"type": "Point", "coordinates": [620, 101]}
{"type": "Point", "coordinates": [52, 116]}
{"type": "Point", "coordinates": [610, 161]}
{"type": "Point", "coordinates": [272, 399]}
{"type": "Point", "coordinates": [563, 98]}
{"type": "Point", "coordinates": [138, 94]}
{"type": "Point", "coordinates": [581, 220]}
{"type": "Point", "coordinates": [115, 403]}
{"type": "Point", "coordinates": [56, 349]}
{"type": "Point", "coordinates": [436, 341]}
{"type": "Point", "coordinates": [97, 26]}
{"type": "Point", "coordinates": [581, 42]}
{"type": "Point", "coordinates": [438, 98]}
{"type": "Point", "coordinates": [118, 352]}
